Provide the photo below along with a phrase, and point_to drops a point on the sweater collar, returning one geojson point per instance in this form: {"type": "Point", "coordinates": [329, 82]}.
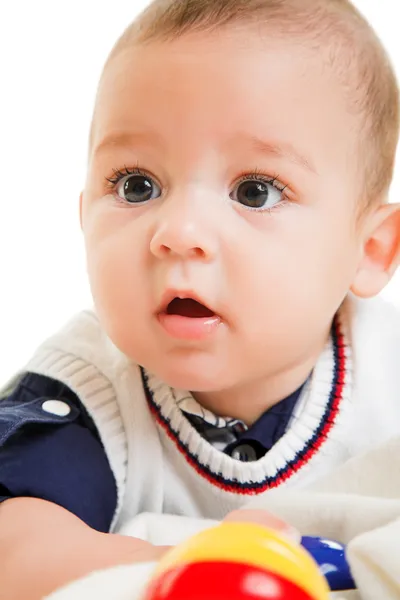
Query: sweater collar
{"type": "Point", "coordinates": [314, 424]}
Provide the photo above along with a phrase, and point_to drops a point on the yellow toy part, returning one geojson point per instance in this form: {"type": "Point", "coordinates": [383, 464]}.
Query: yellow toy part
{"type": "Point", "coordinates": [255, 545]}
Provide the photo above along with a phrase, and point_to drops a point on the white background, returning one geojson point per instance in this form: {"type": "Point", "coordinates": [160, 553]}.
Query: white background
{"type": "Point", "coordinates": [51, 55]}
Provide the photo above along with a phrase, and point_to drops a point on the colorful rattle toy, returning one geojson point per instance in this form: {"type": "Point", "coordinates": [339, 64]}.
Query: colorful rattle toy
{"type": "Point", "coordinates": [238, 561]}
{"type": "Point", "coordinates": [331, 559]}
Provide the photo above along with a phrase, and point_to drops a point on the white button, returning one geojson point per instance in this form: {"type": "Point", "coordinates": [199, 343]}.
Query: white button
{"type": "Point", "coordinates": [56, 407]}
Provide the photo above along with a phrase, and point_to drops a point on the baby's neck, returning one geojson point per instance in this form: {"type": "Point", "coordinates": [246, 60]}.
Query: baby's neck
{"type": "Point", "coordinates": [249, 401]}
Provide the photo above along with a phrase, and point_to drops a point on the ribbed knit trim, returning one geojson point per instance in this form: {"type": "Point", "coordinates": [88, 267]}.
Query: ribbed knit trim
{"type": "Point", "coordinates": [328, 395]}
{"type": "Point", "coordinates": [100, 401]}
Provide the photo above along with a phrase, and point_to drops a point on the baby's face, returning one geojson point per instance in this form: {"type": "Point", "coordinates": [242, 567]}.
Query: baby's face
{"type": "Point", "coordinates": [233, 183]}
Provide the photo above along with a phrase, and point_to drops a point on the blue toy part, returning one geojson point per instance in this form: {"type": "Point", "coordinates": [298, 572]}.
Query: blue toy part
{"type": "Point", "coordinates": [331, 558]}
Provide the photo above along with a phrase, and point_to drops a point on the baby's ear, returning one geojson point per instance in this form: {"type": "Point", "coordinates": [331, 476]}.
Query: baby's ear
{"type": "Point", "coordinates": [380, 252]}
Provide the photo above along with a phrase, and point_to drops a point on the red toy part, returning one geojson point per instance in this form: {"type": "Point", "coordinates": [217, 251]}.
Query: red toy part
{"type": "Point", "coordinates": [222, 581]}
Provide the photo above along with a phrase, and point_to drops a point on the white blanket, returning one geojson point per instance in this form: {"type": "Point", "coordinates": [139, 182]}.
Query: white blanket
{"type": "Point", "coordinates": [358, 504]}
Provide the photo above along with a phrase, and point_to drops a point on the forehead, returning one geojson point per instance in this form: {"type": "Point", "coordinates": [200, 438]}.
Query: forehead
{"type": "Point", "coordinates": [200, 91]}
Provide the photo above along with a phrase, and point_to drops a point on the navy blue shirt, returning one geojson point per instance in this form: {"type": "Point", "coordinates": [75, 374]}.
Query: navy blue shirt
{"type": "Point", "coordinates": [55, 458]}
{"type": "Point", "coordinates": [52, 450]}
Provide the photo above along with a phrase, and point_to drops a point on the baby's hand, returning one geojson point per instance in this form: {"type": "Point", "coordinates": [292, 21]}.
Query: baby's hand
{"type": "Point", "coordinates": [127, 550]}
{"type": "Point", "coordinates": [263, 517]}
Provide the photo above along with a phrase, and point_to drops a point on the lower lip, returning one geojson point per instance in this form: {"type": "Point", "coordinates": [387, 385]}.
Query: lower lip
{"type": "Point", "coordinates": [187, 328]}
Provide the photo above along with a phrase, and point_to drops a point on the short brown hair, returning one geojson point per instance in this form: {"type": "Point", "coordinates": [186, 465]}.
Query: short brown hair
{"type": "Point", "coordinates": [354, 51]}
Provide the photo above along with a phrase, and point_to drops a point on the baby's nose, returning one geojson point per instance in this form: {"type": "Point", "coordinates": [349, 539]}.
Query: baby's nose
{"type": "Point", "coordinates": [188, 232]}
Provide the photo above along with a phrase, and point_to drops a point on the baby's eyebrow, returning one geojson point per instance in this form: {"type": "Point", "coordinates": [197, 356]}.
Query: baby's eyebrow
{"type": "Point", "coordinates": [283, 149]}
{"type": "Point", "coordinates": [256, 144]}
{"type": "Point", "coordinates": [127, 139]}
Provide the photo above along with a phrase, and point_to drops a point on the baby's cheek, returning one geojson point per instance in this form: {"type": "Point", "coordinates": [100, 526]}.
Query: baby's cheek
{"type": "Point", "coordinates": [111, 283]}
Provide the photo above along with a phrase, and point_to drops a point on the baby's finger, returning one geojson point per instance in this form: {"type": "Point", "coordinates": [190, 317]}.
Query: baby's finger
{"type": "Point", "coordinates": [263, 517]}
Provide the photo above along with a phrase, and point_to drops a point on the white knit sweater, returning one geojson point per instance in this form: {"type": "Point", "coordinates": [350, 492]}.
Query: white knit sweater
{"type": "Point", "coordinates": [163, 465]}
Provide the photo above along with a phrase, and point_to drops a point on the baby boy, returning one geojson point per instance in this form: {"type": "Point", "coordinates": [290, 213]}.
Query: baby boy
{"type": "Point", "coordinates": [237, 232]}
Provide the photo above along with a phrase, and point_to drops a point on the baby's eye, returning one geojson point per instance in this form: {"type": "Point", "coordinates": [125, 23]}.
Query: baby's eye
{"type": "Point", "coordinates": [257, 193]}
{"type": "Point", "coordinates": [135, 189]}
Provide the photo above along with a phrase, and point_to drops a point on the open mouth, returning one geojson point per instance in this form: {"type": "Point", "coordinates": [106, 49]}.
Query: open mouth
{"type": "Point", "coordinates": [187, 318]}
{"type": "Point", "coordinates": [188, 307]}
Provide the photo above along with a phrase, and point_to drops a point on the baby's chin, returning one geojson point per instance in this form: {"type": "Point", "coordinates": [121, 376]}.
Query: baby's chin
{"type": "Point", "coordinates": [194, 379]}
